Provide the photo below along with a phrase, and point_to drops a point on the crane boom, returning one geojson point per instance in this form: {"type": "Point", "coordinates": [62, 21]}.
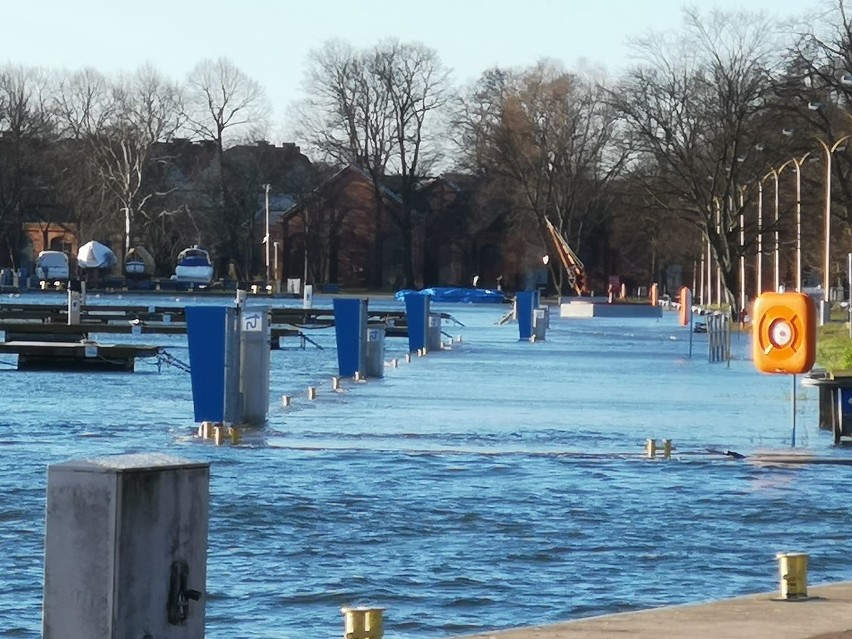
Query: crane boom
{"type": "Point", "coordinates": [573, 266]}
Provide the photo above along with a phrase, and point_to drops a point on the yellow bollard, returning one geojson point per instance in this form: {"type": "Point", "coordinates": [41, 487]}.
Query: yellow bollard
{"type": "Point", "coordinates": [362, 623]}
{"type": "Point", "coordinates": [667, 449]}
{"type": "Point", "coordinates": [234, 434]}
{"type": "Point", "coordinates": [651, 448]}
{"type": "Point", "coordinates": [793, 570]}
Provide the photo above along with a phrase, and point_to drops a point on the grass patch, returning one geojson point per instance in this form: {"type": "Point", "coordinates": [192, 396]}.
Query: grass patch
{"type": "Point", "coordinates": [834, 348]}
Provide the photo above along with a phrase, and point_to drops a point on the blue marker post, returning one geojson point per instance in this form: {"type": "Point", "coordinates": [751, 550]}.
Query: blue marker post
{"type": "Point", "coordinates": [350, 326]}
{"type": "Point", "coordinates": [417, 316]}
{"type": "Point", "coordinates": [212, 334]}
{"type": "Point", "coordinates": [525, 304]}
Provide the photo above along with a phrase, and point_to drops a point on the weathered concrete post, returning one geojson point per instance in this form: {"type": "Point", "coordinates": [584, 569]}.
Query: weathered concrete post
{"type": "Point", "coordinates": [126, 548]}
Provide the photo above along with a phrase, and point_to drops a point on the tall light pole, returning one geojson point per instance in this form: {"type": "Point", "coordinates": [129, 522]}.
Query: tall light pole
{"type": "Point", "coordinates": [741, 190]}
{"type": "Point", "coordinates": [776, 247]}
{"type": "Point", "coordinates": [709, 270]}
{"type": "Point", "coordinates": [826, 276]}
{"type": "Point", "coordinates": [266, 237]}
{"type": "Point", "coordinates": [718, 266]}
{"type": "Point", "coordinates": [758, 289]}
{"type": "Point", "coordinates": [797, 164]}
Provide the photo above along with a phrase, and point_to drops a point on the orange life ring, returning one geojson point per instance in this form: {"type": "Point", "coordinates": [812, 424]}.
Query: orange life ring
{"type": "Point", "coordinates": [784, 333]}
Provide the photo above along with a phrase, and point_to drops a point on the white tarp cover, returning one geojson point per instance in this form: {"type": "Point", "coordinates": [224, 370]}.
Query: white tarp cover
{"type": "Point", "coordinates": [95, 255]}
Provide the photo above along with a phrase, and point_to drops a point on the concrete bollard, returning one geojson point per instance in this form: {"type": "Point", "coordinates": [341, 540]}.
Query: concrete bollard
{"type": "Point", "coordinates": [335, 383]}
{"type": "Point", "coordinates": [312, 392]}
{"type": "Point", "coordinates": [408, 358]}
{"type": "Point", "coordinates": [126, 548]}
{"type": "Point", "coordinates": [394, 363]}
{"type": "Point", "coordinates": [358, 377]}
{"type": "Point", "coordinates": [286, 400]}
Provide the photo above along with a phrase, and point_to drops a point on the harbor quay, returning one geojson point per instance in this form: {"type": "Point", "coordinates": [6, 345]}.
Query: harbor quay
{"type": "Point", "coordinates": [492, 486]}
{"type": "Point", "coordinates": [823, 615]}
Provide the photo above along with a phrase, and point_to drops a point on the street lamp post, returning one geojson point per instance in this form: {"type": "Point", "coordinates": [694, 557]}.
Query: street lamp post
{"type": "Point", "coordinates": [826, 276]}
{"type": "Point", "coordinates": [776, 247]}
{"type": "Point", "coordinates": [796, 163]}
{"type": "Point", "coordinates": [759, 278]}
{"type": "Point", "coordinates": [266, 237]}
{"type": "Point", "coordinates": [718, 266]}
{"type": "Point", "coordinates": [741, 189]}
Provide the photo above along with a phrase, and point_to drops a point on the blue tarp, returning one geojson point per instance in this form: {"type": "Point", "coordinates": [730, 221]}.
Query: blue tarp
{"type": "Point", "coordinates": [451, 294]}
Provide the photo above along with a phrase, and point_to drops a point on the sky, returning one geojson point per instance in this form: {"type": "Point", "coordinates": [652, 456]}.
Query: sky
{"type": "Point", "coordinates": [269, 39]}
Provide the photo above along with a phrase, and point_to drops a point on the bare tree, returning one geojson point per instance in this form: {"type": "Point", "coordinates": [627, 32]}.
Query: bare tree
{"type": "Point", "coordinates": [816, 97]}
{"type": "Point", "coordinates": [545, 136]}
{"type": "Point", "coordinates": [27, 129]}
{"type": "Point", "coordinates": [696, 107]}
{"type": "Point", "coordinates": [348, 118]}
{"type": "Point", "coordinates": [118, 125]}
{"type": "Point", "coordinates": [221, 102]}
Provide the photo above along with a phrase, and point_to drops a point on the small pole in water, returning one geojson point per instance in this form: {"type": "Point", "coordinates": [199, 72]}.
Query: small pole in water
{"type": "Point", "coordinates": [793, 444]}
{"type": "Point", "coordinates": [691, 330]}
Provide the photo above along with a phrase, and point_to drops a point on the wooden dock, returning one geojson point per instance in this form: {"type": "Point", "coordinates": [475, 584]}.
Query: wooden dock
{"type": "Point", "coordinates": [81, 355]}
{"type": "Point", "coordinates": [24, 321]}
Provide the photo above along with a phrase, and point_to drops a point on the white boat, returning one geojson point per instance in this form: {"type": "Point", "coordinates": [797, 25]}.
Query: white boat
{"type": "Point", "coordinates": [194, 265]}
{"type": "Point", "coordinates": [52, 265]}
{"type": "Point", "coordinates": [96, 256]}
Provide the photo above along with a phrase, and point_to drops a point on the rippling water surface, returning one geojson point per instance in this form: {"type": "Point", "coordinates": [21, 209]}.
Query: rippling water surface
{"type": "Point", "coordinates": [493, 485]}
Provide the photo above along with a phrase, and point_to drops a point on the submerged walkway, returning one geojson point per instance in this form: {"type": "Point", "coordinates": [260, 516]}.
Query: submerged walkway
{"type": "Point", "coordinates": [826, 614]}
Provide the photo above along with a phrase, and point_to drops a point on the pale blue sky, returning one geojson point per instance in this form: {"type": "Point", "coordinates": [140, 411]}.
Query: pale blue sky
{"type": "Point", "coordinates": [268, 39]}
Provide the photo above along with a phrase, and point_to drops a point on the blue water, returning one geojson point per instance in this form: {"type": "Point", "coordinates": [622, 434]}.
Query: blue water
{"type": "Point", "coordinates": [493, 485]}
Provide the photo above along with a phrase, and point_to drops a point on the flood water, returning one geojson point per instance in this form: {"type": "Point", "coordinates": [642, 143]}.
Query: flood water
{"type": "Point", "coordinates": [493, 485]}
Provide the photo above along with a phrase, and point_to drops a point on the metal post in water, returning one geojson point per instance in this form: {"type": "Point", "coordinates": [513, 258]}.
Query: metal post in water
{"type": "Point", "coordinates": [363, 623]}
{"type": "Point", "coordinates": [728, 340]}
{"type": "Point", "coordinates": [691, 331]}
{"type": "Point", "coordinates": [793, 442]}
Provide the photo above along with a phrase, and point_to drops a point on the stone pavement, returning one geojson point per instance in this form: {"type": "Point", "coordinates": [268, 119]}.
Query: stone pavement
{"type": "Point", "coordinates": [826, 614]}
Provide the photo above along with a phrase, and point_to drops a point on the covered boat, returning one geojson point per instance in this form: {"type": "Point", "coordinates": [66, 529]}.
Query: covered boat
{"type": "Point", "coordinates": [96, 256]}
{"type": "Point", "coordinates": [139, 263]}
{"type": "Point", "coordinates": [194, 265]}
{"type": "Point", "coordinates": [52, 265]}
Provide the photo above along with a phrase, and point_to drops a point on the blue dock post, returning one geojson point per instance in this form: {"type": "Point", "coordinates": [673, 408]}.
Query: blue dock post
{"type": "Point", "coordinates": [212, 334]}
{"type": "Point", "coordinates": [350, 327]}
{"type": "Point", "coordinates": [417, 316]}
{"type": "Point", "coordinates": [525, 305]}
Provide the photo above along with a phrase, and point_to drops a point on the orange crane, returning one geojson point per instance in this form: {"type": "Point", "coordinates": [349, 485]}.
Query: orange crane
{"type": "Point", "coordinates": [573, 266]}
